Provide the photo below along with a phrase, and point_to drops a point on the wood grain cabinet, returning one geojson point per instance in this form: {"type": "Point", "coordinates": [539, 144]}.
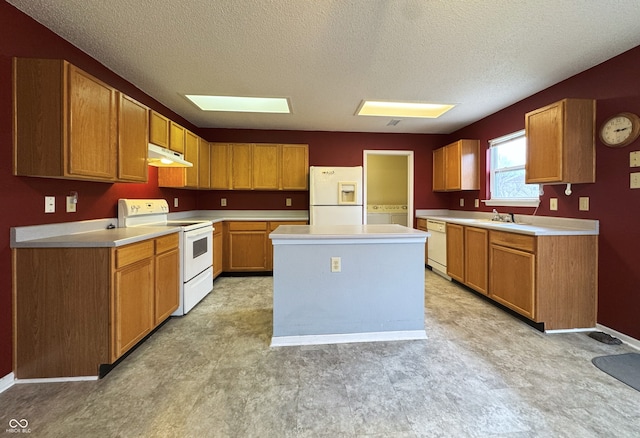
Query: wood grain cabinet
{"type": "Point", "coordinates": [218, 249]}
{"type": "Point", "coordinates": [245, 246]}
{"type": "Point", "coordinates": [68, 124]}
{"type": "Point", "coordinates": [220, 166]}
{"type": "Point", "coordinates": [197, 152]}
{"type": "Point", "coordinates": [561, 143]}
{"type": "Point", "coordinates": [177, 137]}
{"type": "Point", "coordinates": [457, 166]}
{"type": "Point", "coordinates": [241, 166]}
{"type": "Point", "coordinates": [467, 258]}
{"type": "Point", "coordinates": [88, 306]}
{"type": "Point", "coordinates": [294, 167]}
{"type": "Point", "coordinates": [158, 129]}
{"type": "Point", "coordinates": [204, 165]}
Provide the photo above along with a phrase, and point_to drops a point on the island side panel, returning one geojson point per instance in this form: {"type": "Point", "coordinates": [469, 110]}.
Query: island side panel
{"type": "Point", "coordinates": [379, 289]}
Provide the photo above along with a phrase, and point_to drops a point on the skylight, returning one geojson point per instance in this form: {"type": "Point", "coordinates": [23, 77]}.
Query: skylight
{"type": "Point", "coordinates": [241, 104]}
{"type": "Point", "coordinates": [402, 109]}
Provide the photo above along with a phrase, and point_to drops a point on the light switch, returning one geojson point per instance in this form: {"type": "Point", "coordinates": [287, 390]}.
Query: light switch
{"type": "Point", "coordinates": [175, 202]}
{"type": "Point", "coordinates": [461, 202]}
{"type": "Point", "coordinates": [634, 159]}
{"type": "Point", "coordinates": [584, 203]}
{"type": "Point", "coordinates": [476, 203]}
{"type": "Point", "coordinates": [553, 204]}
{"type": "Point", "coordinates": [288, 202]}
{"type": "Point", "coordinates": [635, 180]}
{"type": "Point", "coordinates": [336, 264]}
{"type": "Point", "coordinates": [223, 202]}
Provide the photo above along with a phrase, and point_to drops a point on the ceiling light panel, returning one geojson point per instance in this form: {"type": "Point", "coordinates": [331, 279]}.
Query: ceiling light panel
{"type": "Point", "coordinates": [241, 104]}
{"type": "Point", "coordinates": [402, 109]}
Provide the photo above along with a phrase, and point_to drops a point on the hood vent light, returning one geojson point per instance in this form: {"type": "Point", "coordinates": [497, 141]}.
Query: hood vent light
{"type": "Point", "coordinates": [162, 157]}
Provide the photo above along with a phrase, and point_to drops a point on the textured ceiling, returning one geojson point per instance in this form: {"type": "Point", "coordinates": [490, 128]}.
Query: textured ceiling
{"type": "Point", "coordinates": [328, 55]}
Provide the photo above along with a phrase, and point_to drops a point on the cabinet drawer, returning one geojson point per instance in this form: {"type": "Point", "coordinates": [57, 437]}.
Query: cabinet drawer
{"type": "Point", "coordinates": [166, 243]}
{"type": "Point", "coordinates": [132, 253]}
{"type": "Point", "coordinates": [513, 240]}
{"type": "Point", "coordinates": [247, 226]}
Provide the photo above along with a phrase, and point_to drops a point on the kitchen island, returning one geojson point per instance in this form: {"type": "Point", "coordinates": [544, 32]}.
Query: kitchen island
{"type": "Point", "coordinates": [349, 283]}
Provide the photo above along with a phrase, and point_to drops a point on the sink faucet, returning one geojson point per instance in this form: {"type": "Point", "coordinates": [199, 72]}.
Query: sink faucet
{"type": "Point", "coordinates": [502, 217]}
{"type": "Point", "coordinates": [496, 215]}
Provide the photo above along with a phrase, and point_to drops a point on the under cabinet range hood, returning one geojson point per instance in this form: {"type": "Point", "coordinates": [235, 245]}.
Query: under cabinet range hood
{"type": "Point", "coordinates": [162, 157]}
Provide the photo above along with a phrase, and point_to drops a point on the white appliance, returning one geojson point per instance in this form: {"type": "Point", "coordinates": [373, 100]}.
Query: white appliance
{"type": "Point", "coordinates": [335, 195]}
{"type": "Point", "coordinates": [437, 247]}
{"type": "Point", "coordinates": [196, 246]}
{"type": "Point", "coordinates": [387, 214]}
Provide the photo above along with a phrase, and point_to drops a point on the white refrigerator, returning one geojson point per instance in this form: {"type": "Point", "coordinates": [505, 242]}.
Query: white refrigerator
{"type": "Point", "coordinates": [335, 195]}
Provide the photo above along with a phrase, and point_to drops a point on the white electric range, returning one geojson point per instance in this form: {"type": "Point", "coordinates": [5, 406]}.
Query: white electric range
{"type": "Point", "coordinates": [196, 246]}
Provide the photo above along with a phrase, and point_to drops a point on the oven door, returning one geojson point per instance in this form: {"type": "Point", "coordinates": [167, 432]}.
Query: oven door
{"type": "Point", "coordinates": [198, 251]}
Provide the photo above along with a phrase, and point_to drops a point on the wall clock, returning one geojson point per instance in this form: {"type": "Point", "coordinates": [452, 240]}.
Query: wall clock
{"type": "Point", "coordinates": [620, 130]}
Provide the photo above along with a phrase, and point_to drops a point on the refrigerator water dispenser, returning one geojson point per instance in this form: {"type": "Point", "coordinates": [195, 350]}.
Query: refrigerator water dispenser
{"type": "Point", "coordinates": [347, 192]}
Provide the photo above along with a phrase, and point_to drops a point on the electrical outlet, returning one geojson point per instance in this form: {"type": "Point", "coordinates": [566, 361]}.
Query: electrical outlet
{"type": "Point", "coordinates": [635, 180]}
{"type": "Point", "coordinates": [584, 203]}
{"type": "Point", "coordinates": [553, 204]}
{"type": "Point", "coordinates": [175, 202]}
{"type": "Point", "coordinates": [634, 159]}
{"type": "Point", "coordinates": [288, 202]}
{"type": "Point", "coordinates": [71, 204]}
{"type": "Point", "coordinates": [476, 203]}
{"type": "Point", "coordinates": [49, 204]}
{"type": "Point", "coordinates": [336, 264]}
{"type": "Point", "coordinates": [461, 202]}
{"type": "Point", "coordinates": [223, 202]}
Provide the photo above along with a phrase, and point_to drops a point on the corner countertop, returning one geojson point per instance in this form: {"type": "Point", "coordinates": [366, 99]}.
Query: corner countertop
{"type": "Point", "coordinates": [524, 224]}
{"type": "Point", "coordinates": [306, 234]}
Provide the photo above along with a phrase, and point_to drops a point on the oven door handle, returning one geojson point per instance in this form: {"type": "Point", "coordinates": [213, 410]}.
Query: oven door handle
{"type": "Point", "coordinates": [195, 233]}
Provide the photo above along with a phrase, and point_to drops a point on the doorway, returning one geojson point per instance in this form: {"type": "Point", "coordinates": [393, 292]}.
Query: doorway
{"type": "Point", "coordinates": [388, 187]}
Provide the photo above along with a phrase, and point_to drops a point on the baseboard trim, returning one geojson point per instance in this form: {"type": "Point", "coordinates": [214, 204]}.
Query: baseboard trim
{"type": "Point", "coordinates": [632, 342]}
{"type": "Point", "coordinates": [57, 379]}
{"type": "Point", "coordinates": [7, 382]}
{"type": "Point", "coordinates": [573, 330]}
{"type": "Point", "coordinates": [345, 338]}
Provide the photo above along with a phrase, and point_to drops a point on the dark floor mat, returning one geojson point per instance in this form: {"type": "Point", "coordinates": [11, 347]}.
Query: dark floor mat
{"type": "Point", "coordinates": [624, 367]}
{"type": "Point", "coordinates": [605, 338]}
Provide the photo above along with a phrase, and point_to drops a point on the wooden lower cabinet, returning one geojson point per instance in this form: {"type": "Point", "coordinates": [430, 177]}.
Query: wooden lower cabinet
{"type": "Point", "coordinates": [78, 308]}
{"type": "Point", "coordinates": [513, 279]}
{"type": "Point", "coordinates": [218, 249]}
{"type": "Point", "coordinates": [455, 252]}
{"type": "Point", "coordinates": [246, 246]}
{"type": "Point", "coordinates": [476, 261]}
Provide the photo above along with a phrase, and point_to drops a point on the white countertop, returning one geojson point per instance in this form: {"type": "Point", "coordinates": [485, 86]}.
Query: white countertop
{"type": "Point", "coordinates": [359, 233]}
{"type": "Point", "coordinates": [524, 224]}
{"type": "Point", "coordinates": [95, 233]}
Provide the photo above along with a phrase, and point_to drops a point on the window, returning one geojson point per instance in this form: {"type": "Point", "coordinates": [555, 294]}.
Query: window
{"type": "Point", "coordinates": [508, 156]}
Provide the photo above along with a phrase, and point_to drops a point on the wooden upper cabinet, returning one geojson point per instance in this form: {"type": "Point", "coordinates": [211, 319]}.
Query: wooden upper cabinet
{"type": "Point", "coordinates": [176, 137]}
{"type": "Point", "coordinates": [561, 143]}
{"type": "Point", "coordinates": [220, 166]}
{"type": "Point", "coordinates": [204, 164]}
{"type": "Point", "coordinates": [68, 124]}
{"type": "Point", "coordinates": [457, 166]}
{"type": "Point", "coordinates": [158, 129]}
{"type": "Point", "coordinates": [241, 168]}
{"type": "Point", "coordinates": [294, 167]}
{"type": "Point", "coordinates": [266, 166]}
{"type": "Point", "coordinates": [65, 122]}
{"type": "Point", "coordinates": [133, 122]}
{"type": "Point", "coordinates": [438, 170]}
{"type": "Point", "coordinates": [191, 151]}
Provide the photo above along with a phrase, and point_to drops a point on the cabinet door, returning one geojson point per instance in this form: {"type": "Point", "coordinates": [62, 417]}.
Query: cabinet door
{"type": "Point", "coordinates": [220, 166]}
{"type": "Point", "coordinates": [512, 279]}
{"type": "Point", "coordinates": [176, 137]}
{"type": "Point", "coordinates": [544, 144]}
{"type": "Point", "coordinates": [266, 166]}
{"type": "Point", "coordinates": [438, 170]}
{"type": "Point", "coordinates": [158, 129]}
{"type": "Point", "coordinates": [247, 246]}
{"type": "Point", "coordinates": [452, 158]}
{"type": "Point", "coordinates": [455, 251]}
{"type": "Point", "coordinates": [294, 168]}
{"type": "Point", "coordinates": [167, 281]}
{"type": "Point", "coordinates": [241, 169]}
{"type": "Point", "coordinates": [191, 149]}
{"type": "Point", "coordinates": [133, 142]}
{"type": "Point", "coordinates": [133, 304]}
{"type": "Point", "coordinates": [204, 165]}
{"type": "Point", "coordinates": [92, 127]}
{"type": "Point", "coordinates": [421, 224]}
{"type": "Point", "coordinates": [218, 246]}
{"type": "Point", "coordinates": [476, 259]}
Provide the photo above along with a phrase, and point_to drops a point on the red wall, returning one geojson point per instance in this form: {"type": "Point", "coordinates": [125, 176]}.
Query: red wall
{"type": "Point", "coordinates": [615, 84]}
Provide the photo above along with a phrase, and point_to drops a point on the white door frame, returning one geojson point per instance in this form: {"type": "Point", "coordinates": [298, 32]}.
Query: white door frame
{"type": "Point", "coordinates": [409, 155]}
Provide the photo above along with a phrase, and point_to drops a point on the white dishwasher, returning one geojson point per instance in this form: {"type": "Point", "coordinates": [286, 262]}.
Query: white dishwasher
{"type": "Point", "coordinates": [437, 247]}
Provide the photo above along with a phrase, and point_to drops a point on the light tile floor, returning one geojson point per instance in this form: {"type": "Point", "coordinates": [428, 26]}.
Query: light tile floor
{"type": "Point", "coordinates": [481, 373]}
